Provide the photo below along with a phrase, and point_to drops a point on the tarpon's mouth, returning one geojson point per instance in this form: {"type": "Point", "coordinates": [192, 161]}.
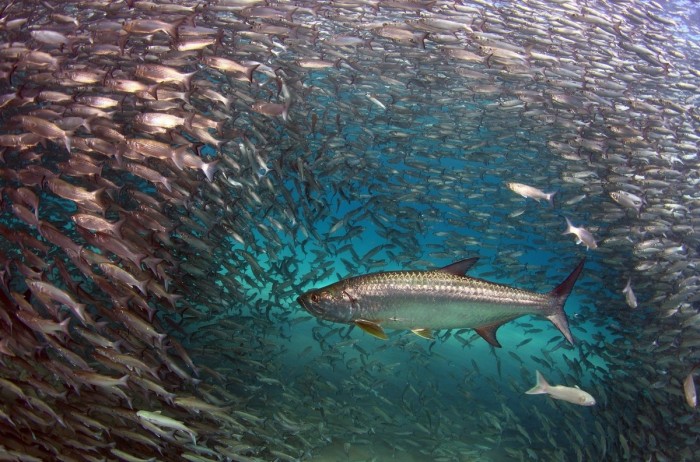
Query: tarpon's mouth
{"type": "Point", "coordinates": [308, 304]}
{"type": "Point", "coordinates": [303, 301]}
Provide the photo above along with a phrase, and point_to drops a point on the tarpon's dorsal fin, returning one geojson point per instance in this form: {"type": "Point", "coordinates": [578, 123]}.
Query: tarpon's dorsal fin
{"type": "Point", "coordinates": [371, 328]}
{"type": "Point", "coordinates": [488, 333]}
{"type": "Point", "coordinates": [459, 268]}
{"type": "Point", "coordinates": [425, 333]}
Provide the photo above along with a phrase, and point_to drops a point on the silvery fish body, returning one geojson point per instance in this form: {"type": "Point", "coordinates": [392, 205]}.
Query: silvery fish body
{"type": "Point", "coordinates": [437, 299]}
{"type": "Point", "coordinates": [572, 395]}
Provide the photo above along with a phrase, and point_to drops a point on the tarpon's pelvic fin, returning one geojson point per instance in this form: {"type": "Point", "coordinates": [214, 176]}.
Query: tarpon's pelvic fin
{"type": "Point", "coordinates": [371, 328]}
{"type": "Point", "coordinates": [459, 268]}
{"type": "Point", "coordinates": [488, 333]}
{"type": "Point", "coordinates": [559, 295]}
{"type": "Point", "coordinates": [425, 333]}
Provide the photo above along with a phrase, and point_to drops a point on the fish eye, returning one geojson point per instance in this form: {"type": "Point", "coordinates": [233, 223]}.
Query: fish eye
{"type": "Point", "coordinates": [314, 298]}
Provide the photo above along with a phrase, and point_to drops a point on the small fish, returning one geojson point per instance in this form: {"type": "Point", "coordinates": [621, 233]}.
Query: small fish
{"type": "Point", "coordinates": [100, 380]}
{"type": "Point", "coordinates": [58, 295]}
{"type": "Point", "coordinates": [271, 109]}
{"type": "Point", "coordinates": [164, 74]}
{"type": "Point", "coordinates": [691, 396]}
{"type": "Point", "coordinates": [151, 26]}
{"type": "Point", "coordinates": [376, 101]}
{"type": "Point", "coordinates": [569, 394]}
{"type": "Point", "coordinates": [228, 65]}
{"type": "Point", "coordinates": [583, 236]}
{"type": "Point", "coordinates": [160, 120]}
{"type": "Point", "coordinates": [530, 192]}
{"type": "Point", "coordinates": [45, 129]}
{"type": "Point", "coordinates": [627, 200]}
{"type": "Point", "coordinates": [49, 37]}
{"type": "Point", "coordinates": [164, 421]}
{"type": "Point", "coordinates": [630, 298]}
{"type": "Point", "coordinates": [315, 63]}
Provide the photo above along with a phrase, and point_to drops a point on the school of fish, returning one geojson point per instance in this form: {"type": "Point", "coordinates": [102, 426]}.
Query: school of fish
{"type": "Point", "coordinates": [174, 175]}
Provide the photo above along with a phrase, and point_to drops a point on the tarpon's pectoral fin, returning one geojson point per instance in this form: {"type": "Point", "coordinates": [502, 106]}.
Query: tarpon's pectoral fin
{"type": "Point", "coordinates": [488, 333]}
{"type": "Point", "coordinates": [458, 268]}
{"type": "Point", "coordinates": [425, 333]}
{"type": "Point", "coordinates": [371, 328]}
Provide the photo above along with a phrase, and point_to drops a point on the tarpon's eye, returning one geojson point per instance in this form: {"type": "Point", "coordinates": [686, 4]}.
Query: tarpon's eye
{"type": "Point", "coordinates": [314, 298]}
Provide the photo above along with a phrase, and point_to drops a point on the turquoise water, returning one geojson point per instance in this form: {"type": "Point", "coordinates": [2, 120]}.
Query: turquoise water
{"type": "Point", "coordinates": [395, 155]}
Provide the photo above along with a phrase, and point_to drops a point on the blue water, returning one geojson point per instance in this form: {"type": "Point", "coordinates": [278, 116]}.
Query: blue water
{"type": "Point", "coordinates": [347, 187]}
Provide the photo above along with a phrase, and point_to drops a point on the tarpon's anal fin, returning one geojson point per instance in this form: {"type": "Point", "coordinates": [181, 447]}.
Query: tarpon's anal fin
{"type": "Point", "coordinates": [425, 333]}
{"type": "Point", "coordinates": [371, 328]}
{"type": "Point", "coordinates": [459, 268]}
{"type": "Point", "coordinates": [488, 333]}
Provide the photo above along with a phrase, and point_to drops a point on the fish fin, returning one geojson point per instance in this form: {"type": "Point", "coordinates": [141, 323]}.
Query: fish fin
{"type": "Point", "coordinates": [371, 328]}
{"type": "Point", "coordinates": [249, 72]}
{"type": "Point", "coordinates": [425, 333]}
{"type": "Point", "coordinates": [540, 387]}
{"type": "Point", "coordinates": [569, 227]}
{"type": "Point", "coordinates": [459, 268]}
{"type": "Point", "coordinates": [488, 333]}
{"type": "Point", "coordinates": [559, 295]}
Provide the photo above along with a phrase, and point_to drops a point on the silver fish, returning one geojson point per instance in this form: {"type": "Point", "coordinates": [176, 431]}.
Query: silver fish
{"type": "Point", "coordinates": [583, 236]}
{"type": "Point", "coordinates": [630, 298]}
{"type": "Point", "coordinates": [627, 200]}
{"type": "Point", "coordinates": [437, 299]}
{"type": "Point", "coordinates": [691, 396]}
{"type": "Point", "coordinates": [531, 192]}
{"type": "Point", "coordinates": [569, 394]}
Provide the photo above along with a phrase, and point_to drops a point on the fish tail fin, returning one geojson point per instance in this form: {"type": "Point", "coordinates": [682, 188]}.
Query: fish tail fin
{"type": "Point", "coordinates": [210, 168]}
{"type": "Point", "coordinates": [64, 325]}
{"type": "Point", "coordinates": [187, 82]}
{"type": "Point", "coordinates": [540, 387]}
{"type": "Point", "coordinates": [123, 380]}
{"type": "Point", "coordinates": [249, 72]}
{"type": "Point", "coordinates": [569, 227]}
{"type": "Point", "coordinates": [173, 29]}
{"type": "Point", "coordinates": [559, 295]}
{"type": "Point", "coordinates": [628, 286]}
{"type": "Point", "coordinates": [550, 198]}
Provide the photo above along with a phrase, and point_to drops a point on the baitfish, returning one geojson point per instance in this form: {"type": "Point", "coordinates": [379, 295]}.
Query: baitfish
{"type": "Point", "coordinates": [570, 394]}
{"type": "Point", "coordinates": [533, 193]}
{"type": "Point", "coordinates": [439, 299]}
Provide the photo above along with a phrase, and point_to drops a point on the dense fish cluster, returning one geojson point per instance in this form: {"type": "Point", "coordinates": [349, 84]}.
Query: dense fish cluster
{"type": "Point", "coordinates": [174, 174]}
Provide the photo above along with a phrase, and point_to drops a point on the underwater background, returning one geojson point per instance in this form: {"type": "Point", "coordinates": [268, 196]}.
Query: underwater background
{"type": "Point", "coordinates": [175, 175]}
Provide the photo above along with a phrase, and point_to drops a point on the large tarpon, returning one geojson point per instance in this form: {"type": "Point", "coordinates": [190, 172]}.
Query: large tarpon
{"type": "Point", "coordinates": [438, 299]}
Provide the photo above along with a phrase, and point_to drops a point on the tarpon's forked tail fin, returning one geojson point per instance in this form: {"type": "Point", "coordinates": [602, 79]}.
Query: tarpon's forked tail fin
{"type": "Point", "coordinates": [559, 296]}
